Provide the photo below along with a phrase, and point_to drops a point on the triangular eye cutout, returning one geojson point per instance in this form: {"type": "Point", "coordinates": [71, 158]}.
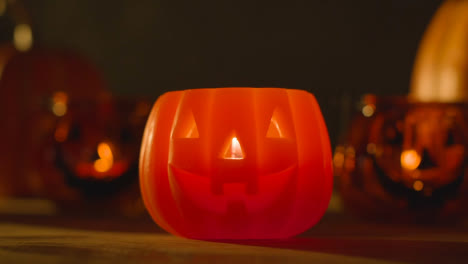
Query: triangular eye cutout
{"type": "Point", "coordinates": [233, 150]}
{"type": "Point", "coordinates": [193, 131]}
{"type": "Point", "coordinates": [274, 130]}
{"type": "Point", "coordinates": [187, 127]}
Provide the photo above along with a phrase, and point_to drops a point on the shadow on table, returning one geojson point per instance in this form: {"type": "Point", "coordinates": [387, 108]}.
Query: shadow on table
{"type": "Point", "coordinates": [414, 251]}
{"type": "Point", "coordinates": [354, 237]}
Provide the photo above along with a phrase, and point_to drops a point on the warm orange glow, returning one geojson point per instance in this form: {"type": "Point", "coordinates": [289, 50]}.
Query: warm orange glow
{"type": "Point", "coordinates": [187, 128]}
{"type": "Point", "coordinates": [59, 103]}
{"type": "Point", "coordinates": [368, 110]}
{"type": "Point", "coordinates": [104, 151]}
{"type": "Point", "coordinates": [102, 165]}
{"type": "Point", "coordinates": [59, 109]}
{"type": "Point", "coordinates": [193, 131]}
{"type": "Point", "coordinates": [237, 174]}
{"type": "Point", "coordinates": [350, 152]}
{"type": "Point", "coordinates": [440, 66]}
{"type": "Point", "coordinates": [234, 150]}
{"type": "Point", "coordinates": [410, 159]}
{"type": "Point", "coordinates": [61, 133]}
{"type": "Point", "coordinates": [22, 37]}
{"type": "Point", "coordinates": [338, 159]}
{"type": "Point", "coordinates": [279, 124]}
{"type": "Point", "coordinates": [60, 97]}
{"type": "Point", "coordinates": [274, 130]}
{"type": "Point", "coordinates": [418, 185]}
{"type": "Point", "coordinates": [371, 148]}
{"type": "Point", "coordinates": [106, 158]}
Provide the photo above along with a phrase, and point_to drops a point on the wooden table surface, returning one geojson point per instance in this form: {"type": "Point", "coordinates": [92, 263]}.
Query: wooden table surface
{"type": "Point", "coordinates": [337, 239]}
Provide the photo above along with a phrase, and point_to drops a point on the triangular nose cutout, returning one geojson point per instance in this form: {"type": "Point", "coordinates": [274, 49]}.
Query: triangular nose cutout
{"type": "Point", "coordinates": [233, 150]}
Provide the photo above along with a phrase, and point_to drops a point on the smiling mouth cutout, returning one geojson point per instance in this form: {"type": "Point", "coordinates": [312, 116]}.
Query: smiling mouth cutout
{"type": "Point", "coordinates": [84, 176]}
{"type": "Point", "coordinates": [217, 192]}
{"type": "Point", "coordinates": [104, 166]}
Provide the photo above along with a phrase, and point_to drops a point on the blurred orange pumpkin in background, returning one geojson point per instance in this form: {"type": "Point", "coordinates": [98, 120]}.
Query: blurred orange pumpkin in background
{"type": "Point", "coordinates": [38, 87]}
{"type": "Point", "coordinates": [96, 155]}
{"type": "Point", "coordinates": [17, 36]}
{"type": "Point", "coordinates": [406, 157]}
{"type": "Point", "coordinates": [65, 137]}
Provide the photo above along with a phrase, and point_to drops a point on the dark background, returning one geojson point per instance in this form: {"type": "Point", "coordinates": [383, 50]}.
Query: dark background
{"type": "Point", "coordinates": [337, 49]}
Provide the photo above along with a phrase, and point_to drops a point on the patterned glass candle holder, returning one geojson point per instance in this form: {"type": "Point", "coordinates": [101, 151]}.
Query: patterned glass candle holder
{"type": "Point", "coordinates": [236, 163]}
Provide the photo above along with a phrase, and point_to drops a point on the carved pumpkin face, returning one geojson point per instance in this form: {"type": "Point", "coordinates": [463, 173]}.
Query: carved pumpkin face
{"type": "Point", "coordinates": [235, 157]}
{"type": "Point", "coordinates": [424, 149]}
{"type": "Point", "coordinates": [96, 149]}
{"type": "Point", "coordinates": [409, 156]}
{"type": "Point", "coordinates": [36, 86]}
{"type": "Point", "coordinates": [249, 160]}
{"type": "Point", "coordinates": [435, 136]}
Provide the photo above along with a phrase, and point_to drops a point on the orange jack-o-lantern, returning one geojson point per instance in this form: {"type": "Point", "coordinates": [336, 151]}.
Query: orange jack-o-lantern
{"type": "Point", "coordinates": [96, 150]}
{"type": "Point", "coordinates": [406, 157]}
{"type": "Point", "coordinates": [84, 151]}
{"type": "Point", "coordinates": [432, 150]}
{"type": "Point", "coordinates": [38, 87]}
{"type": "Point", "coordinates": [236, 163]}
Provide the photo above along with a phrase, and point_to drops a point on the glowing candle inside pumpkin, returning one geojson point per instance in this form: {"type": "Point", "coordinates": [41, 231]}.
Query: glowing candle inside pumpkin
{"type": "Point", "coordinates": [233, 161]}
{"type": "Point", "coordinates": [410, 159]}
{"type": "Point", "coordinates": [106, 159]}
{"type": "Point", "coordinates": [234, 150]}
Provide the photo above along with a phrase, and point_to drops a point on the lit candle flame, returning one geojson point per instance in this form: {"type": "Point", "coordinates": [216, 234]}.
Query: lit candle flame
{"type": "Point", "coordinates": [106, 158]}
{"type": "Point", "coordinates": [410, 159]}
{"type": "Point", "coordinates": [234, 151]}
